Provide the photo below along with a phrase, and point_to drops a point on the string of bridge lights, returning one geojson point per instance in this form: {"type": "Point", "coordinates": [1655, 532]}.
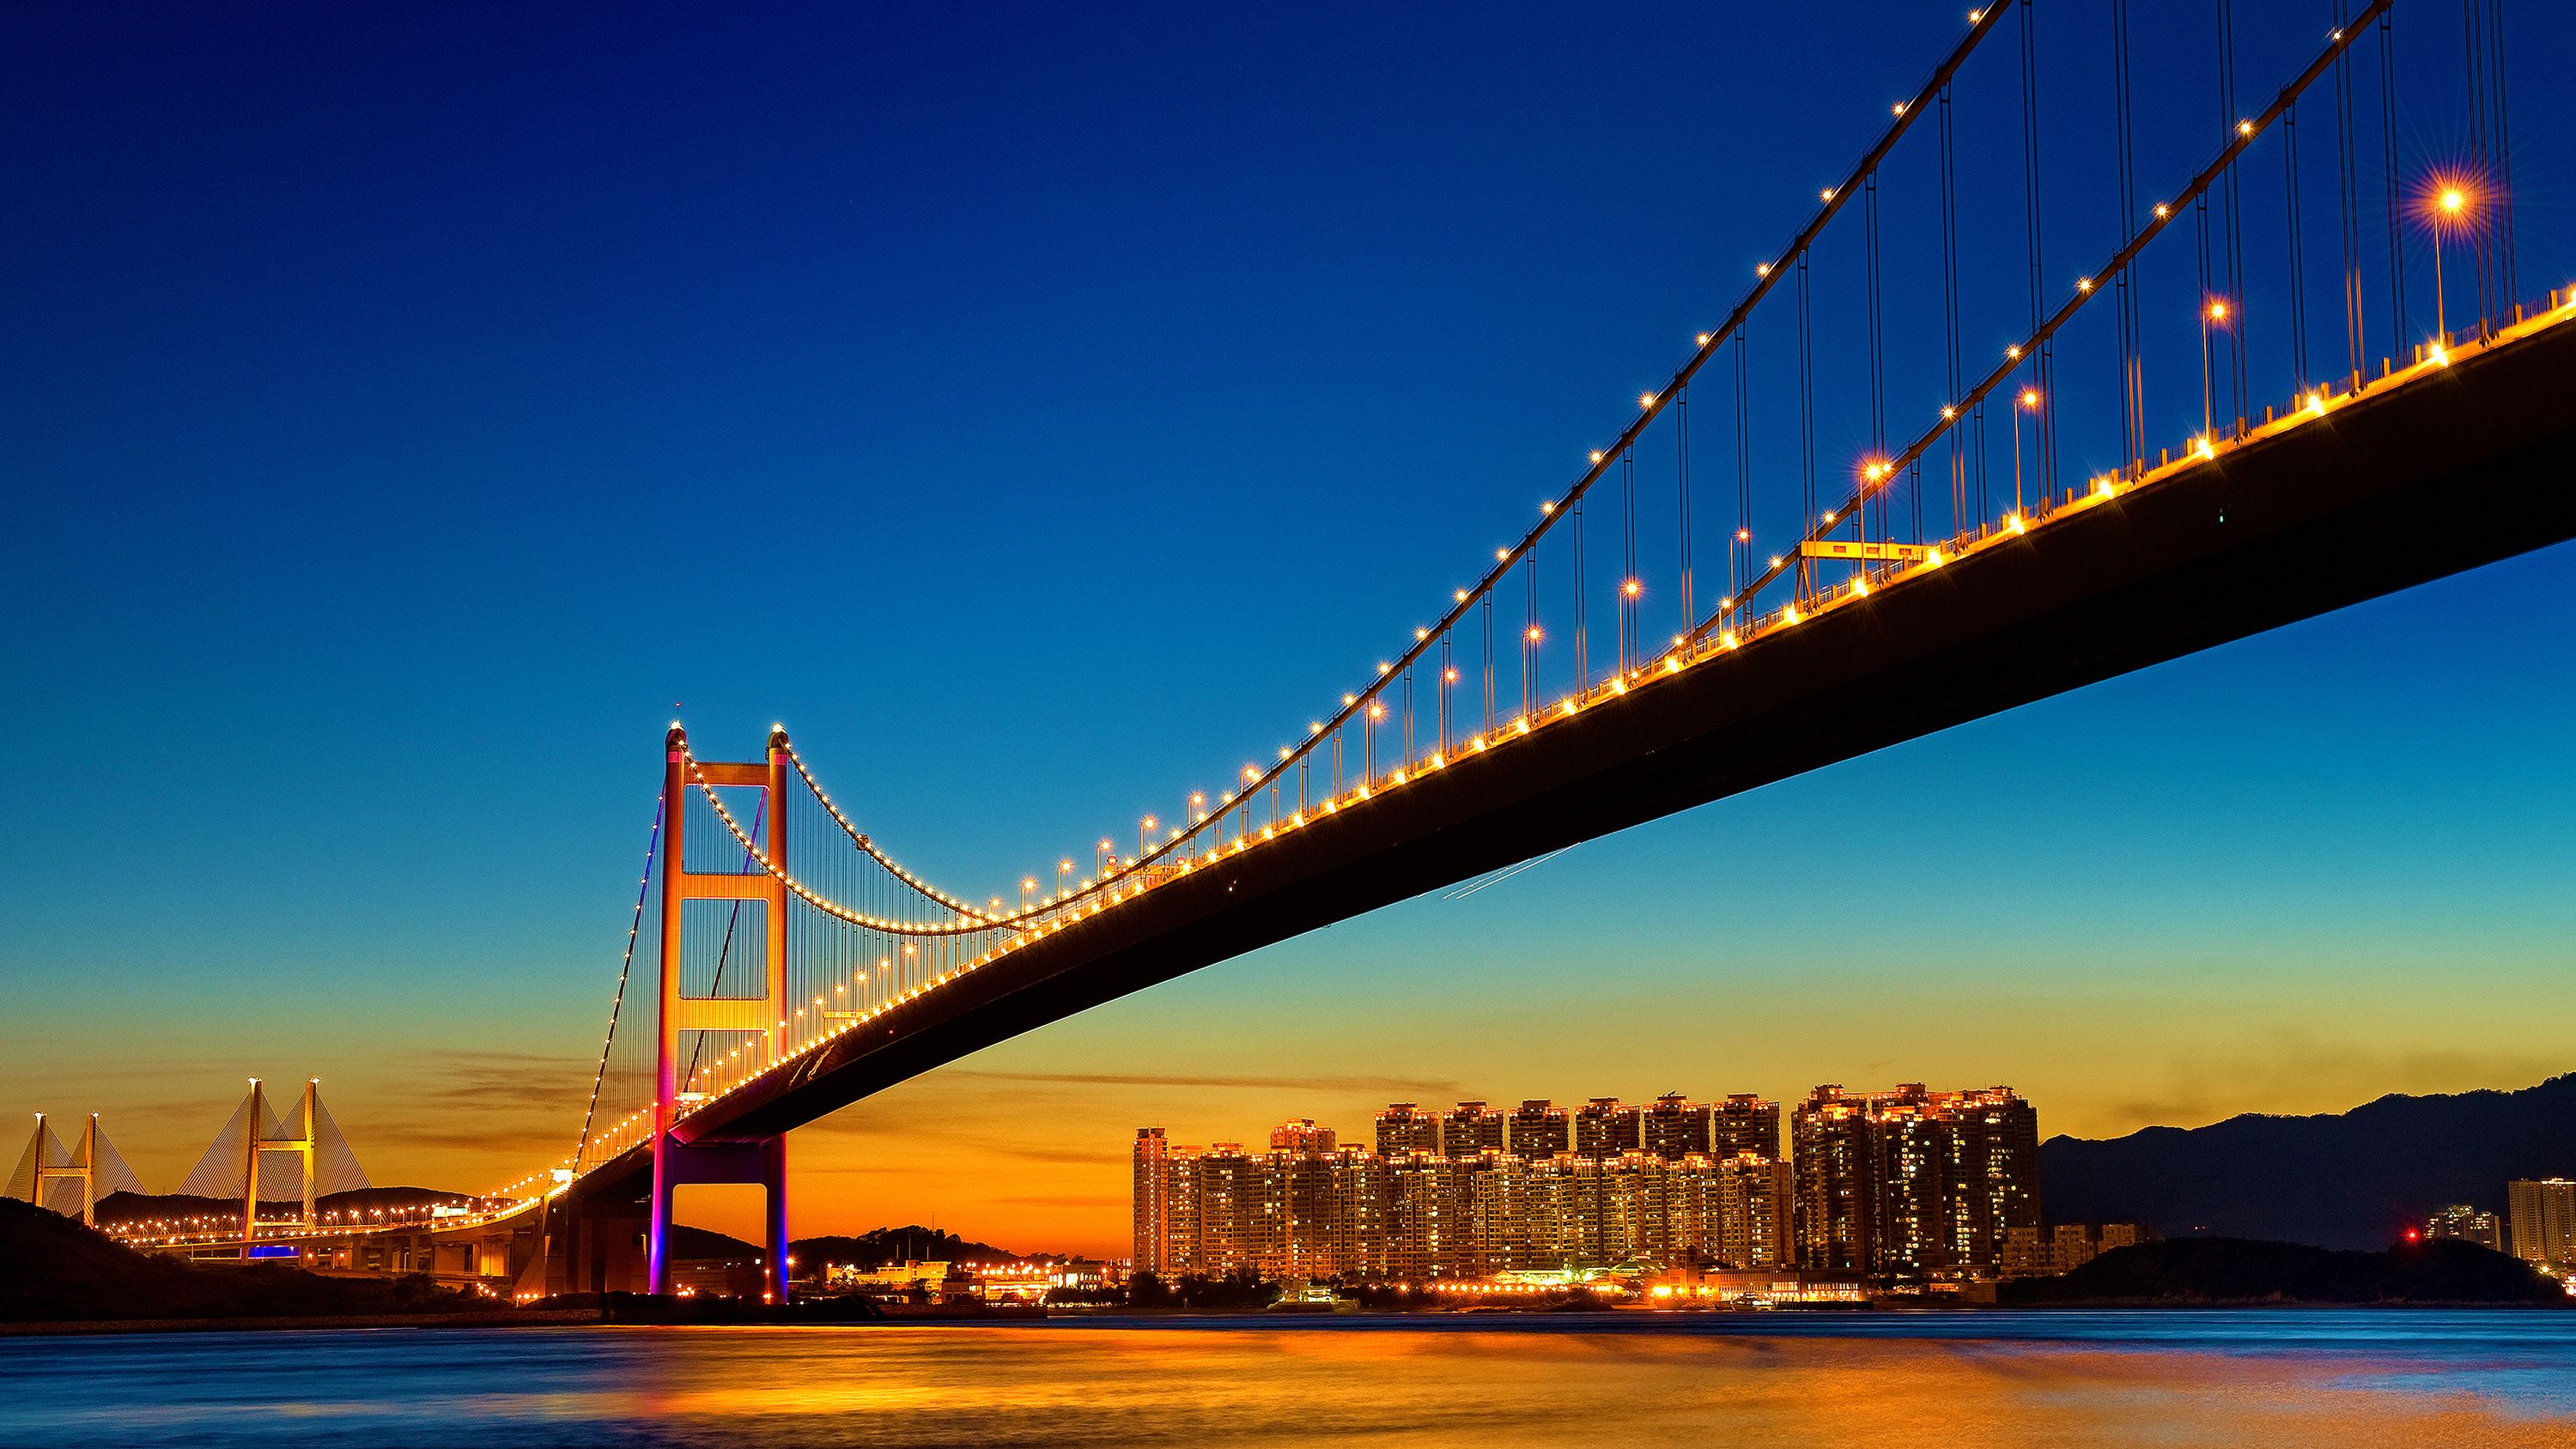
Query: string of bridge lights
{"type": "Point", "coordinates": [861, 919]}
{"type": "Point", "coordinates": [625, 967]}
{"type": "Point", "coordinates": [1876, 476]}
{"type": "Point", "coordinates": [1181, 852]}
{"type": "Point", "coordinates": [863, 842]}
{"type": "Point", "coordinates": [2306, 408]}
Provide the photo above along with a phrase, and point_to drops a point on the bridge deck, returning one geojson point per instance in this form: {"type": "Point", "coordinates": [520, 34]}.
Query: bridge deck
{"type": "Point", "coordinates": [2440, 475]}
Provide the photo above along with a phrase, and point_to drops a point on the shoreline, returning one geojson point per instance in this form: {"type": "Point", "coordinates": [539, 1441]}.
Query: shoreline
{"type": "Point", "coordinates": [496, 1318]}
{"type": "Point", "coordinates": [1790, 1321]}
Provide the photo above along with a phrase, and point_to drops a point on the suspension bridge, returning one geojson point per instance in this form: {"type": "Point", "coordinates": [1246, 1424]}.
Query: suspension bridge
{"type": "Point", "coordinates": [2296, 371]}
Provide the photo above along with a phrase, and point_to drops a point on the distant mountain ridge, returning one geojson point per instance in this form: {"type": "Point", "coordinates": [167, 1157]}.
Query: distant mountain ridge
{"type": "Point", "coordinates": [2352, 1179]}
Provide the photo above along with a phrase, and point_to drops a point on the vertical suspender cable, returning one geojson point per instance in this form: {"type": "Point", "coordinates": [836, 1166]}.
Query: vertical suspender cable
{"type": "Point", "coordinates": [2355, 344]}
{"type": "Point", "coordinates": [2298, 255]}
{"type": "Point", "coordinates": [2133, 444]}
{"type": "Point", "coordinates": [2499, 137]}
{"type": "Point", "coordinates": [2208, 367]}
{"type": "Point", "coordinates": [1681, 426]}
{"type": "Point", "coordinates": [1448, 678]}
{"type": "Point", "coordinates": [2481, 165]}
{"type": "Point", "coordinates": [1877, 368]}
{"type": "Point", "coordinates": [1743, 536]}
{"type": "Point", "coordinates": [1628, 559]}
{"type": "Point", "coordinates": [1529, 635]}
{"type": "Point", "coordinates": [2235, 218]}
{"type": "Point", "coordinates": [1578, 596]}
{"type": "Point", "coordinates": [2041, 437]}
{"type": "Point", "coordinates": [1806, 426]}
{"type": "Point", "coordinates": [1950, 307]}
{"type": "Point", "coordinates": [1406, 765]}
{"type": "Point", "coordinates": [1486, 611]}
{"type": "Point", "coordinates": [2388, 150]}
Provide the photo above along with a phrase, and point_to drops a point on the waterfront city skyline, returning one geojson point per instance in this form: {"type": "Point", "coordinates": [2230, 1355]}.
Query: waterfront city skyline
{"type": "Point", "coordinates": [345, 576]}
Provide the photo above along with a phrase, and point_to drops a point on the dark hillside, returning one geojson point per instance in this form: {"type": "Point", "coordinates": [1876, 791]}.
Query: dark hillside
{"type": "Point", "coordinates": [2234, 1270]}
{"type": "Point", "coordinates": [2352, 1179]}
{"type": "Point", "coordinates": [52, 1268]}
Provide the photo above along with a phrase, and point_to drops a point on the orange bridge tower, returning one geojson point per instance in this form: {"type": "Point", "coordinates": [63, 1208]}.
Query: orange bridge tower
{"type": "Point", "coordinates": [760, 1161]}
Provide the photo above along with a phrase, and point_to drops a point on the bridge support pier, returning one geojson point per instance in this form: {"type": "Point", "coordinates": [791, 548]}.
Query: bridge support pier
{"type": "Point", "coordinates": [761, 1163]}
{"type": "Point", "coordinates": [595, 1240]}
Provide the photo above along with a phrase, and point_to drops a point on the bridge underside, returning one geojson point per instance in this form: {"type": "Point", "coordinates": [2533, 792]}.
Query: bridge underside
{"type": "Point", "coordinates": [2429, 479]}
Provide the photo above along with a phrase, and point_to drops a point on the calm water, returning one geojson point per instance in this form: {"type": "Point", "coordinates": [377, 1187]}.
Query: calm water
{"type": "Point", "coordinates": [2349, 1380]}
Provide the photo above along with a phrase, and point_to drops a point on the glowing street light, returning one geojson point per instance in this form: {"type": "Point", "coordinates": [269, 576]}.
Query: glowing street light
{"type": "Point", "coordinates": [2450, 209]}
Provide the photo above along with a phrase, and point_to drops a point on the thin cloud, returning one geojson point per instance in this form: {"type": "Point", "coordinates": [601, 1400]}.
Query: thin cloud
{"type": "Point", "coordinates": [1418, 1086]}
{"type": "Point", "coordinates": [1073, 1202]}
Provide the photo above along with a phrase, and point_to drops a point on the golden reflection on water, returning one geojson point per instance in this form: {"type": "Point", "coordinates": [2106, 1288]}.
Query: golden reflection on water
{"type": "Point", "coordinates": [2171, 1381]}
{"type": "Point", "coordinates": [924, 1385]}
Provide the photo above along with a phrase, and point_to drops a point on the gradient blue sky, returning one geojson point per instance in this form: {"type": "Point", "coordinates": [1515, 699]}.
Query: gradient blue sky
{"type": "Point", "coordinates": [1041, 410]}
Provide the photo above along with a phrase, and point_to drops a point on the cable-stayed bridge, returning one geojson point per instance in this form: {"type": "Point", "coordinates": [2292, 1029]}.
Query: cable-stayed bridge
{"type": "Point", "coordinates": [1901, 483]}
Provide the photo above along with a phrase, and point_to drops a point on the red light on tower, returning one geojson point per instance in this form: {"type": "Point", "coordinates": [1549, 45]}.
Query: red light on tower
{"type": "Point", "coordinates": [2413, 1236]}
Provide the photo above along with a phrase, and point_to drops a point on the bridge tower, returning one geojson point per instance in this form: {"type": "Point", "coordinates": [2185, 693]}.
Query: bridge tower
{"type": "Point", "coordinates": [761, 1161]}
{"type": "Point", "coordinates": [256, 1141]}
{"type": "Point", "coordinates": [231, 1166]}
{"type": "Point", "coordinates": [96, 1167]}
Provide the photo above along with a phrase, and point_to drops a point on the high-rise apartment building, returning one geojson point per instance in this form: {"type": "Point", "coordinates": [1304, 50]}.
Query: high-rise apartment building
{"type": "Point", "coordinates": [1229, 1190]}
{"type": "Point", "coordinates": [1471, 1128]}
{"type": "Point", "coordinates": [1153, 1204]}
{"type": "Point", "coordinates": [1673, 1128]}
{"type": "Point", "coordinates": [2462, 1221]}
{"type": "Point", "coordinates": [1300, 1134]}
{"type": "Point", "coordinates": [1538, 1130]}
{"type": "Point", "coordinates": [2541, 1214]}
{"type": "Point", "coordinates": [1914, 1175]}
{"type": "Point", "coordinates": [1431, 1229]}
{"type": "Point", "coordinates": [1913, 1183]}
{"type": "Point", "coordinates": [1749, 1223]}
{"type": "Point", "coordinates": [1404, 1128]}
{"type": "Point", "coordinates": [1994, 1171]}
{"type": "Point", "coordinates": [1744, 1123]}
{"type": "Point", "coordinates": [1311, 1208]}
{"type": "Point", "coordinates": [1837, 1181]}
{"type": "Point", "coordinates": [1606, 1127]}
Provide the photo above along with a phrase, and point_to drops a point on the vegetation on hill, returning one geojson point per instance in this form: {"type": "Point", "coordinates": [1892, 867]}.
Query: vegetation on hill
{"type": "Point", "coordinates": [2177, 1271]}
{"type": "Point", "coordinates": [53, 1269]}
{"type": "Point", "coordinates": [912, 1244]}
{"type": "Point", "coordinates": [706, 1245]}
